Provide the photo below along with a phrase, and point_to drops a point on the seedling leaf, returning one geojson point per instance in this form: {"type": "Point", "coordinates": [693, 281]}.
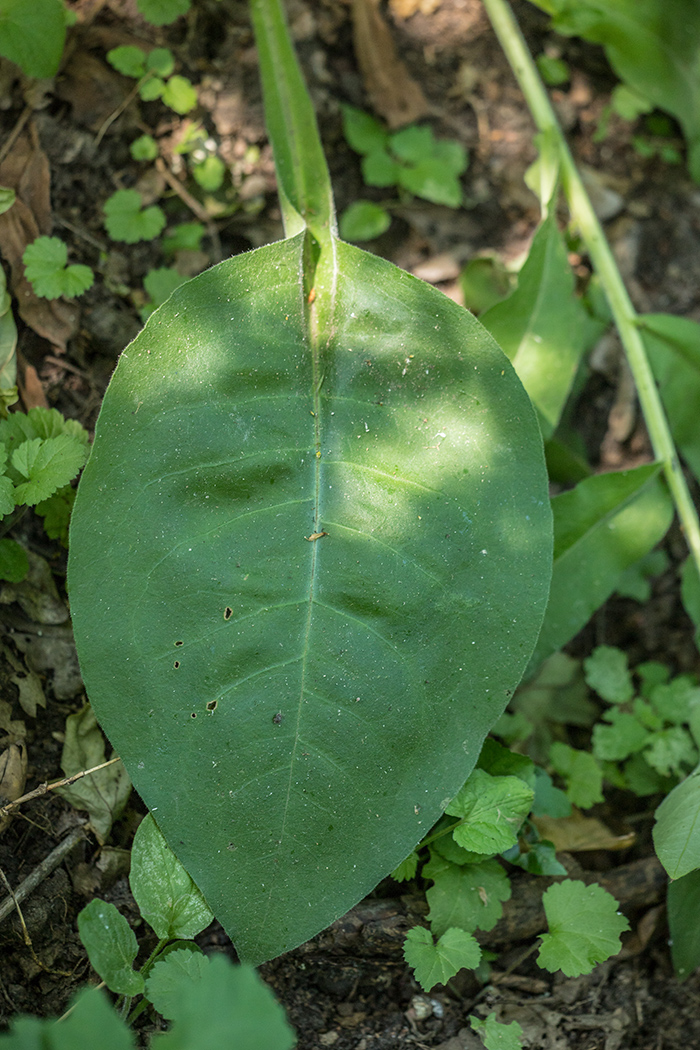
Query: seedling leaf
{"type": "Point", "coordinates": [111, 946]}
{"type": "Point", "coordinates": [363, 221]}
{"type": "Point", "coordinates": [144, 147]}
{"type": "Point", "coordinates": [585, 928]}
{"type": "Point", "coordinates": [493, 808]}
{"type": "Point", "coordinates": [436, 963]}
{"type": "Point", "coordinates": [187, 236]}
{"type": "Point", "coordinates": [497, 1036]}
{"type": "Point", "coordinates": [166, 895]}
{"type": "Point", "coordinates": [33, 35]}
{"type": "Point", "coordinates": [127, 220]}
{"type": "Point", "coordinates": [432, 180]}
{"type": "Point", "coordinates": [45, 267]}
{"type": "Point", "coordinates": [363, 133]}
{"type": "Point", "coordinates": [170, 975]}
{"type": "Point", "coordinates": [128, 60]}
{"type": "Point", "coordinates": [91, 1021]}
{"type": "Point", "coordinates": [623, 736]}
{"type": "Point", "coordinates": [210, 173]}
{"type": "Point", "coordinates": [379, 169]}
{"type": "Point", "coordinates": [608, 674]}
{"type": "Point", "coordinates": [162, 12]}
{"type": "Point", "coordinates": [161, 61]}
{"type": "Point", "coordinates": [179, 95]}
{"type": "Point", "coordinates": [582, 773]}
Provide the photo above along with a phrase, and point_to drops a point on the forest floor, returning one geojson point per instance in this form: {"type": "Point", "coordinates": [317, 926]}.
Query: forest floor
{"type": "Point", "coordinates": [350, 988]}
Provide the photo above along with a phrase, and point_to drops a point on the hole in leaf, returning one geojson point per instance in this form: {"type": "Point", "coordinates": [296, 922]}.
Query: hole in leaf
{"type": "Point", "coordinates": [228, 612]}
{"type": "Point", "coordinates": [179, 643]}
{"type": "Point", "coordinates": [176, 664]}
{"type": "Point", "coordinates": [193, 715]}
{"type": "Point", "coordinates": [212, 705]}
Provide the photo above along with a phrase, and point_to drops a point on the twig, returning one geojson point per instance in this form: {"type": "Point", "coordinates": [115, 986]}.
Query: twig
{"type": "Point", "coordinates": [15, 133]}
{"type": "Point", "coordinates": [41, 872]}
{"type": "Point", "coordinates": [193, 204]}
{"type": "Point", "coordinates": [43, 789]}
{"type": "Point", "coordinates": [626, 318]}
{"type": "Point", "coordinates": [119, 110]}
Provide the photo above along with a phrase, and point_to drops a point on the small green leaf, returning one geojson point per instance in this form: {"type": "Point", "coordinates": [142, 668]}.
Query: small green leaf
{"type": "Point", "coordinates": [187, 236]}
{"type": "Point", "coordinates": [677, 828]}
{"type": "Point", "coordinates": [582, 773]}
{"type": "Point", "coordinates": [549, 800]}
{"type": "Point", "coordinates": [162, 12]}
{"type": "Point", "coordinates": [406, 869]}
{"type": "Point", "coordinates": [671, 751]}
{"type": "Point", "coordinates": [160, 285]}
{"type": "Point", "coordinates": [362, 132]}
{"type": "Point", "coordinates": [7, 199]}
{"type": "Point", "coordinates": [128, 60]}
{"type": "Point", "coordinates": [180, 95]}
{"type": "Point", "coordinates": [674, 701]}
{"type": "Point", "coordinates": [166, 895]}
{"type": "Point", "coordinates": [168, 976]}
{"type": "Point", "coordinates": [493, 808]}
{"type": "Point", "coordinates": [379, 169]}
{"type": "Point", "coordinates": [497, 1036]}
{"type": "Point", "coordinates": [363, 221]}
{"type": "Point", "coordinates": [554, 71]}
{"type": "Point", "coordinates": [500, 761]}
{"type": "Point", "coordinates": [151, 89]}
{"type": "Point", "coordinates": [91, 1021]}
{"type": "Point", "coordinates": [226, 999]}
{"type": "Point", "coordinates": [210, 173]}
{"type": "Point", "coordinates": [111, 946]}
{"type": "Point", "coordinates": [585, 928]}
{"type": "Point", "coordinates": [45, 266]}
{"type": "Point", "coordinates": [47, 464]}
{"type": "Point", "coordinates": [436, 963]}
{"type": "Point", "coordinates": [33, 34]}
{"type": "Point", "coordinates": [144, 147]}
{"type": "Point", "coordinates": [484, 282]}
{"type": "Point", "coordinates": [161, 61]}
{"type": "Point", "coordinates": [608, 674]}
{"type": "Point", "coordinates": [412, 144]}
{"type": "Point", "coordinates": [56, 511]}
{"type": "Point", "coordinates": [433, 181]}
{"type": "Point", "coordinates": [623, 736]}
{"type": "Point", "coordinates": [539, 859]}
{"type": "Point", "coordinates": [628, 103]}
{"type": "Point", "coordinates": [468, 897]}
{"type": "Point", "coordinates": [103, 794]}
{"type": "Point", "coordinates": [127, 220]}
{"type": "Point", "coordinates": [14, 564]}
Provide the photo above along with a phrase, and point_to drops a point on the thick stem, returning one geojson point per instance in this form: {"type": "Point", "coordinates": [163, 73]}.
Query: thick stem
{"type": "Point", "coordinates": [626, 318]}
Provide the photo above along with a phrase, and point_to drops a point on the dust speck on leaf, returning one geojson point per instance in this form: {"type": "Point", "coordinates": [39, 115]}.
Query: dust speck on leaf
{"type": "Point", "coordinates": [277, 718]}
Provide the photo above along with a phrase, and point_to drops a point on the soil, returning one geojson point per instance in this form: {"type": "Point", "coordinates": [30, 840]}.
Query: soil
{"type": "Point", "coordinates": [341, 990]}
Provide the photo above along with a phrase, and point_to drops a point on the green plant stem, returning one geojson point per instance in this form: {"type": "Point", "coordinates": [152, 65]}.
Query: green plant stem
{"type": "Point", "coordinates": [511, 39]}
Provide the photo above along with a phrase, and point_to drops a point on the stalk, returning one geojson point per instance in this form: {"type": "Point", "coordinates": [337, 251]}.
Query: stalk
{"type": "Point", "coordinates": [626, 318]}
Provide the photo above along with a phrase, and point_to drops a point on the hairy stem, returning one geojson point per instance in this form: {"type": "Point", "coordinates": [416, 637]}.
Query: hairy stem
{"type": "Point", "coordinates": [626, 318]}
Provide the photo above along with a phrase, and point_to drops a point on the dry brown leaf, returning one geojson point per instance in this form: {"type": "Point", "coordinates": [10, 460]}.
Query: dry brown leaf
{"type": "Point", "coordinates": [576, 834]}
{"type": "Point", "coordinates": [394, 94]}
{"type": "Point", "coordinates": [26, 171]}
{"type": "Point", "coordinates": [13, 774]}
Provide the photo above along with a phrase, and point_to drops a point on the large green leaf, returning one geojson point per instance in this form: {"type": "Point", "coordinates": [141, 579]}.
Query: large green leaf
{"type": "Point", "coordinates": [297, 711]}
{"type": "Point", "coordinates": [542, 326]}
{"type": "Point", "coordinates": [683, 903]}
{"type": "Point", "coordinates": [677, 828]}
{"type": "Point", "coordinates": [601, 527]}
{"type": "Point", "coordinates": [673, 345]}
{"type": "Point", "coordinates": [32, 34]}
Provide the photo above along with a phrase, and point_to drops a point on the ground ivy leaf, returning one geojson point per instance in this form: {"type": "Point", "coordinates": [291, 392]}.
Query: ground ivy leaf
{"type": "Point", "coordinates": [497, 1036]}
{"type": "Point", "coordinates": [162, 12]}
{"type": "Point", "coordinates": [45, 267]}
{"type": "Point", "coordinates": [406, 869]}
{"type": "Point", "coordinates": [608, 674]}
{"type": "Point", "coordinates": [166, 895]}
{"type": "Point", "coordinates": [623, 736]}
{"type": "Point", "coordinates": [468, 897]}
{"type": "Point", "coordinates": [47, 464]}
{"type": "Point", "coordinates": [671, 751]}
{"type": "Point", "coordinates": [585, 928]}
{"type": "Point", "coordinates": [674, 701]}
{"type": "Point", "coordinates": [493, 809]}
{"type": "Point", "coordinates": [180, 95]}
{"type": "Point", "coordinates": [500, 761]}
{"type": "Point", "coordinates": [127, 220]}
{"type": "Point", "coordinates": [362, 132]}
{"type": "Point", "coordinates": [128, 60]}
{"type": "Point", "coordinates": [165, 983]}
{"type": "Point", "coordinates": [436, 963]}
{"type": "Point", "coordinates": [581, 771]}
{"type": "Point", "coordinates": [111, 946]}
